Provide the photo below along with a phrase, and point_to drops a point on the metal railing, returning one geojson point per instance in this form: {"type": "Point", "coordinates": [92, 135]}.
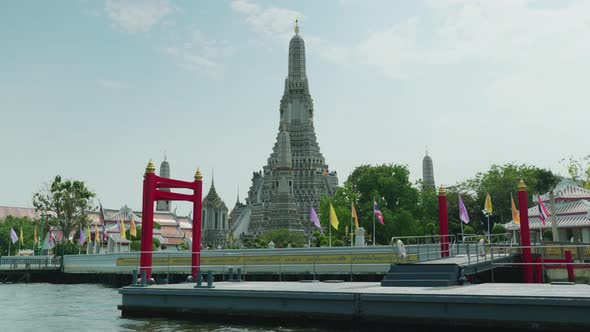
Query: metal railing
{"type": "Point", "coordinates": [29, 263]}
{"type": "Point", "coordinates": [427, 247]}
{"type": "Point", "coordinates": [479, 249]}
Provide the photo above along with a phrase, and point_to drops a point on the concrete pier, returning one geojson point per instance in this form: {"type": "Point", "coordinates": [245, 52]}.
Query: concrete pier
{"type": "Point", "coordinates": [519, 306]}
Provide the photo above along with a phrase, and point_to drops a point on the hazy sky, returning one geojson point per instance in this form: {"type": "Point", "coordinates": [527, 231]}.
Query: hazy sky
{"type": "Point", "coordinates": [92, 90]}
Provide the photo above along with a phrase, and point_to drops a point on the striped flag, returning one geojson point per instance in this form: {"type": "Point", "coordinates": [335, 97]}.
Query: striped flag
{"type": "Point", "coordinates": [105, 236]}
{"type": "Point", "coordinates": [543, 213]}
{"type": "Point", "coordinates": [51, 237]}
{"type": "Point", "coordinates": [377, 212]}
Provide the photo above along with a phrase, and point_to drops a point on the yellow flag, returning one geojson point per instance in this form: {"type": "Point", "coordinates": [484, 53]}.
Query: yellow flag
{"type": "Point", "coordinates": [488, 204]}
{"type": "Point", "coordinates": [515, 215]}
{"type": "Point", "coordinates": [96, 235]}
{"type": "Point", "coordinates": [133, 229]}
{"type": "Point", "coordinates": [333, 217]}
{"type": "Point", "coordinates": [123, 235]}
{"type": "Point", "coordinates": [35, 237]}
{"type": "Point", "coordinates": [88, 237]}
{"type": "Point", "coordinates": [354, 216]}
{"type": "Point", "coordinates": [22, 242]}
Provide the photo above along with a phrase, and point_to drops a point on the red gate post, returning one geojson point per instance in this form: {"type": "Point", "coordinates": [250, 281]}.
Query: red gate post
{"type": "Point", "coordinates": [570, 267]}
{"type": "Point", "coordinates": [147, 220]}
{"type": "Point", "coordinates": [443, 217]}
{"type": "Point", "coordinates": [525, 235]}
{"type": "Point", "coordinates": [197, 224]}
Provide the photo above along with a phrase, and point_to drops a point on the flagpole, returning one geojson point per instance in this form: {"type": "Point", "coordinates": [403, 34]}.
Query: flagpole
{"type": "Point", "coordinates": [330, 235]}
{"type": "Point", "coordinates": [309, 234]}
{"type": "Point", "coordinates": [374, 221]}
{"type": "Point", "coordinates": [351, 229]}
{"type": "Point", "coordinates": [462, 234]}
{"type": "Point", "coordinates": [9, 243]}
{"type": "Point", "coordinates": [489, 234]}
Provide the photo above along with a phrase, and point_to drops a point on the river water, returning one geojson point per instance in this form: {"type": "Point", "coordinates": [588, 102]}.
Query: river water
{"type": "Point", "coordinates": [89, 307]}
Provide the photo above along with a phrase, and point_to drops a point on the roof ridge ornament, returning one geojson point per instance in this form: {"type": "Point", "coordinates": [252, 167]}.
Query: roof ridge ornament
{"type": "Point", "coordinates": [296, 27]}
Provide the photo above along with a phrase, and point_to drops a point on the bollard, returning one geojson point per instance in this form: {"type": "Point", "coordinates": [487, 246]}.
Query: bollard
{"type": "Point", "coordinates": [231, 274]}
{"type": "Point", "coordinates": [134, 278]}
{"type": "Point", "coordinates": [143, 277]}
{"type": "Point", "coordinates": [199, 279]}
{"type": "Point", "coordinates": [209, 279]}
{"type": "Point", "coordinates": [239, 275]}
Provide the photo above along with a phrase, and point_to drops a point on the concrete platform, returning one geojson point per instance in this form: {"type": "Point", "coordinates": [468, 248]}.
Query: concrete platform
{"type": "Point", "coordinates": [519, 306]}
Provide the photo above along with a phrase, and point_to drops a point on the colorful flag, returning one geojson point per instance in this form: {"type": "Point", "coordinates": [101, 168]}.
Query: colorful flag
{"type": "Point", "coordinates": [515, 214]}
{"type": "Point", "coordinates": [13, 236]}
{"type": "Point", "coordinates": [123, 230]}
{"type": "Point", "coordinates": [105, 236]}
{"type": "Point", "coordinates": [82, 237]}
{"type": "Point", "coordinates": [543, 213]}
{"type": "Point", "coordinates": [88, 236]}
{"type": "Point", "coordinates": [51, 237]}
{"type": "Point", "coordinates": [133, 228]}
{"type": "Point", "coordinates": [377, 212]}
{"type": "Point", "coordinates": [313, 217]}
{"type": "Point", "coordinates": [35, 240]}
{"type": "Point", "coordinates": [355, 217]}
{"type": "Point", "coordinates": [333, 217]}
{"type": "Point", "coordinates": [22, 242]}
{"type": "Point", "coordinates": [463, 211]}
{"type": "Point", "coordinates": [96, 235]}
{"type": "Point", "coordinates": [488, 204]}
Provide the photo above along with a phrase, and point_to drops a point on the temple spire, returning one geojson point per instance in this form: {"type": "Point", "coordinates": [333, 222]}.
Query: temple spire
{"type": "Point", "coordinates": [296, 27]}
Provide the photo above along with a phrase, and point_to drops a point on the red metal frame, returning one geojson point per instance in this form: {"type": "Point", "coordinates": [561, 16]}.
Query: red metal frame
{"type": "Point", "coordinates": [443, 217]}
{"type": "Point", "coordinates": [525, 235]}
{"type": "Point", "coordinates": [151, 183]}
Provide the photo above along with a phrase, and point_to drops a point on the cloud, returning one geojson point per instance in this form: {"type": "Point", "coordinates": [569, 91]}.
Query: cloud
{"type": "Point", "coordinates": [137, 15]}
{"type": "Point", "coordinates": [111, 84]}
{"type": "Point", "coordinates": [200, 54]}
{"type": "Point", "coordinates": [268, 22]}
{"type": "Point", "coordinates": [491, 32]}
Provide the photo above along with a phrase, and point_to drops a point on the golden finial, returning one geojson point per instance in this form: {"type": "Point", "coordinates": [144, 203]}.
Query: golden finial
{"type": "Point", "coordinates": [198, 175]}
{"type": "Point", "coordinates": [296, 27]}
{"type": "Point", "coordinates": [442, 191]}
{"type": "Point", "coordinates": [150, 167]}
{"type": "Point", "coordinates": [521, 185]}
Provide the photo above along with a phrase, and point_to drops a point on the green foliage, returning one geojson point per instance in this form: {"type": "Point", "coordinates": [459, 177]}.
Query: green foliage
{"type": "Point", "coordinates": [468, 230]}
{"type": "Point", "coordinates": [390, 187]}
{"type": "Point", "coordinates": [498, 229]}
{"type": "Point", "coordinates": [69, 248]}
{"type": "Point", "coordinates": [579, 170]}
{"type": "Point", "coordinates": [131, 237]}
{"type": "Point", "coordinates": [28, 226]}
{"type": "Point", "coordinates": [69, 201]}
{"type": "Point", "coordinates": [283, 238]}
{"type": "Point", "coordinates": [258, 243]}
{"type": "Point", "coordinates": [135, 245]}
{"type": "Point", "coordinates": [338, 243]}
{"type": "Point", "coordinates": [156, 244]}
{"type": "Point", "coordinates": [182, 246]}
{"type": "Point", "coordinates": [499, 181]}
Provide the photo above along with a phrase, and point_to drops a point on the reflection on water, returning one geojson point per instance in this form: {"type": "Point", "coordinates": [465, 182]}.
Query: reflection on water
{"type": "Point", "coordinates": [89, 307]}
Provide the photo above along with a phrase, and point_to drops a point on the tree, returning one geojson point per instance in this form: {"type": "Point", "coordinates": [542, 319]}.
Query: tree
{"type": "Point", "coordinates": [389, 186]}
{"type": "Point", "coordinates": [28, 226]}
{"type": "Point", "coordinates": [69, 201]}
{"type": "Point", "coordinates": [502, 180]}
{"type": "Point", "coordinates": [579, 170]}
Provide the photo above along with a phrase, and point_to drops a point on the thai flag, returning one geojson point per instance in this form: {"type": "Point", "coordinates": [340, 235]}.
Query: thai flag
{"type": "Point", "coordinates": [543, 214]}
{"type": "Point", "coordinates": [51, 238]}
{"type": "Point", "coordinates": [378, 213]}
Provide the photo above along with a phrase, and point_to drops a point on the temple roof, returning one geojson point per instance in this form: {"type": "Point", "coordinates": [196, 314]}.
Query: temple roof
{"type": "Point", "coordinates": [212, 199]}
{"type": "Point", "coordinates": [562, 222]}
{"type": "Point", "coordinates": [567, 189]}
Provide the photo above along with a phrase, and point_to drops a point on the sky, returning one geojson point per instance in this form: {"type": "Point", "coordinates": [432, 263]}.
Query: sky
{"type": "Point", "coordinates": [92, 90]}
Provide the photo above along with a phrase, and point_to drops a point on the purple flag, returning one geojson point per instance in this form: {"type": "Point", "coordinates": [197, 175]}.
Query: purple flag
{"type": "Point", "coordinates": [463, 211]}
{"type": "Point", "coordinates": [314, 218]}
{"type": "Point", "coordinates": [82, 237]}
{"type": "Point", "coordinates": [14, 237]}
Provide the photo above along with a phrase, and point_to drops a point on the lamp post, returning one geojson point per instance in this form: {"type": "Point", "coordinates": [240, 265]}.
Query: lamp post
{"type": "Point", "coordinates": [42, 239]}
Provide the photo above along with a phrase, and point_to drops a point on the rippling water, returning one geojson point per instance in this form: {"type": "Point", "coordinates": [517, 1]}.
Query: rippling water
{"type": "Point", "coordinates": [88, 307]}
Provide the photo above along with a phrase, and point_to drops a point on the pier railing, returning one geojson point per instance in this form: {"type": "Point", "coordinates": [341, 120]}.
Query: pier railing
{"type": "Point", "coordinates": [480, 248]}
{"type": "Point", "coordinates": [427, 247]}
{"type": "Point", "coordinates": [29, 263]}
